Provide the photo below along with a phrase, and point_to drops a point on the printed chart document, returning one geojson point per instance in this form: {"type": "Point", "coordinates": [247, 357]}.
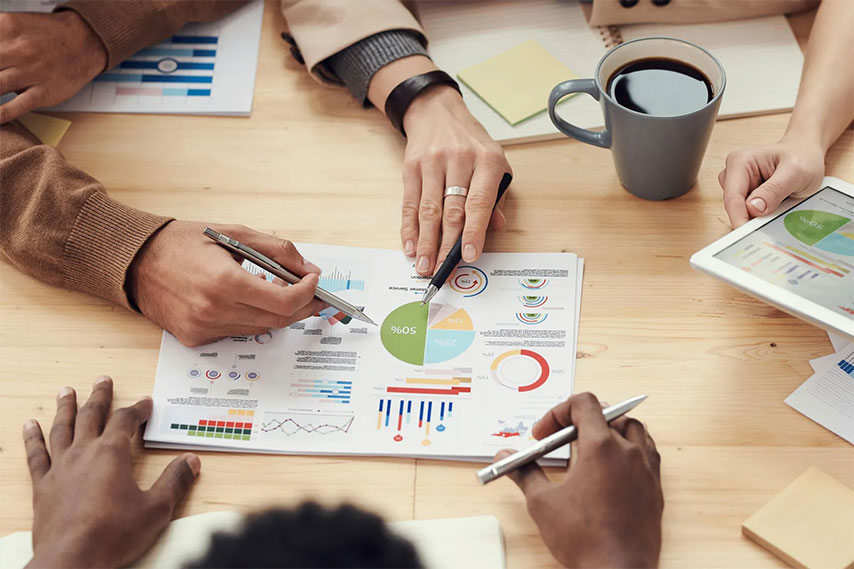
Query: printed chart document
{"type": "Point", "coordinates": [205, 68]}
{"type": "Point", "coordinates": [828, 396]}
{"type": "Point", "coordinates": [461, 377]}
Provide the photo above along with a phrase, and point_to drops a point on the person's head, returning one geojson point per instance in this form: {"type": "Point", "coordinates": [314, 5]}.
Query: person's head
{"type": "Point", "coordinates": [310, 536]}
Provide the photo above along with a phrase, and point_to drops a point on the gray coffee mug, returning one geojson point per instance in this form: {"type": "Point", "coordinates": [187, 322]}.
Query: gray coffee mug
{"type": "Point", "coordinates": [656, 157]}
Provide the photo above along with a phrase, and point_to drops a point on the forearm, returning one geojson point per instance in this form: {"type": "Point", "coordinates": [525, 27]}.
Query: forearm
{"type": "Point", "coordinates": [58, 225]}
{"type": "Point", "coordinates": [128, 26]}
{"type": "Point", "coordinates": [358, 64]}
{"type": "Point", "coordinates": [825, 104]}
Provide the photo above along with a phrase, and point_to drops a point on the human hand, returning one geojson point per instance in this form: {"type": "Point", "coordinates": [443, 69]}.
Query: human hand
{"type": "Point", "coordinates": [46, 59]}
{"type": "Point", "coordinates": [607, 513]}
{"type": "Point", "coordinates": [447, 146]}
{"type": "Point", "coordinates": [756, 180]}
{"type": "Point", "coordinates": [195, 289]}
{"type": "Point", "coordinates": [87, 509]}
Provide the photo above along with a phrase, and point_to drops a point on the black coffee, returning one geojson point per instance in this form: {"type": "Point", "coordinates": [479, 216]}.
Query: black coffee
{"type": "Point", "coordinates": [660, 86]}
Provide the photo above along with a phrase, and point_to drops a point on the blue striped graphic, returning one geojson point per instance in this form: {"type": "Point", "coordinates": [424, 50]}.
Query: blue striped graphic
{"type": "Point", "coordinates": [194, 39]}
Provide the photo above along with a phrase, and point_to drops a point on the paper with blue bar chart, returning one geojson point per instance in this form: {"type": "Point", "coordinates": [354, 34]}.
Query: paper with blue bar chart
{"type": "Point", "coordinates": [461, 377]}
{"type": "Point", "coordinates": [828, 396]}
{"type": "Point", "coordinates": [205, 68]}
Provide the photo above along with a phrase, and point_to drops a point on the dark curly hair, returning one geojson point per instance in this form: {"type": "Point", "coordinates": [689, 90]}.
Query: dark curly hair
{"type": "Point", "coordinates": [310, 536]}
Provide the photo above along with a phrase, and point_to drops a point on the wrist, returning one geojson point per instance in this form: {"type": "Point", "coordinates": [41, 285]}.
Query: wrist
{"type": "Point", "coordinates": [93, 49]}
{"type": "Point", "coordinates": [805, 134]}
{"type": "Point", "coordinates": [438, 98]}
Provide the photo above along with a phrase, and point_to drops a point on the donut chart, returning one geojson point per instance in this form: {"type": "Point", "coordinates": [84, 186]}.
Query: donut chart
{"type": "Point", "coordinates": [427, 334]}
{"type": "Point", "coordinates": [469, 280]}
{"type": "Point", "coordinates": [520, 370]}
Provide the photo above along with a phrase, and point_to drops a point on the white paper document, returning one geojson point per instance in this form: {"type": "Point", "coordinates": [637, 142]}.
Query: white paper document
{"type": "Point", "coordinates": [828, 396]}
{"type": "Point", "coordinates": [461, 377]}
{"type": "Point", "coordinates": [205, 69]}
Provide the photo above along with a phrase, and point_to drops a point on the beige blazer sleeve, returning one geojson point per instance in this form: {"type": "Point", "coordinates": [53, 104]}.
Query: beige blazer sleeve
{"type": "Point", "coordinates": [612, 12]}
{"type": "Point", "coordinates": [324, 27]}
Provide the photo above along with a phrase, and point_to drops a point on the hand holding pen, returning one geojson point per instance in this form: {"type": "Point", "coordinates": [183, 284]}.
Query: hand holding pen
{"type": "Point", "coordinates": [607, 511]}
{"type": "Point", "coordinates": [456, 253]}
{"type": "Point", "coordinates": [197, 291]}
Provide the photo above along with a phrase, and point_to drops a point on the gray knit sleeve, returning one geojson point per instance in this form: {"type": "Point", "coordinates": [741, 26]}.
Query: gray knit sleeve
{"type": "Point", "coordinates": [356, 65]}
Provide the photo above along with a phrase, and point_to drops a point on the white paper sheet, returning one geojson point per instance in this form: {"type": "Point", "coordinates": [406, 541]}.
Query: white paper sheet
{"type": "Point", "coordinates": [838, 342]}
{"type": "Point", "coordinates": [828, 396]}
{"type": "Point", "coordinates": [461, 378]}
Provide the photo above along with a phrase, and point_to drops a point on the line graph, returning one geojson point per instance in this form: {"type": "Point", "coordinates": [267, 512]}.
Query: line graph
{"type": "Point", "coordinates": [290, 424]}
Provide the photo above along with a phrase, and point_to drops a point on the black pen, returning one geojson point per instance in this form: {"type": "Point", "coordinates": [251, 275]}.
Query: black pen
{"type": "Point", "coordinates": [455, 255]}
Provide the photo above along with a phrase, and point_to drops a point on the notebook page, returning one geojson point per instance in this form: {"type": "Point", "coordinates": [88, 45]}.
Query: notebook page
{"type": "Point", "coordinates": [760, 56]}
{"type": "Point", "coordinates": [463, 34]}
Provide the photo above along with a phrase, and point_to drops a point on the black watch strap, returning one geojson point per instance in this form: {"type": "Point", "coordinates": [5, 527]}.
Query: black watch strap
{"type": "Point", "coordinates": [401, 97]}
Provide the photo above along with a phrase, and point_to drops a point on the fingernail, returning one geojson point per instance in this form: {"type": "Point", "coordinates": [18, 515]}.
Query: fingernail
{"type": "Point", "coordinates": [423, 264]}
{"type": "Point", "coordinates": [469, 253]}
{"type": "Point", "coordinates": [311, 267]}
{"type": "Point", "coordinates": [758, 204]}
{"type": "Point", "coordinates": [102, 379]}
{"type": "Point", "coordinates": [29, 425]}
{"type": "Point", "coordinates": [194, 463]}
{"type": "Point", "coordinates": [409, 248]}
{"type": "Point", "coordinates": [64, 392]}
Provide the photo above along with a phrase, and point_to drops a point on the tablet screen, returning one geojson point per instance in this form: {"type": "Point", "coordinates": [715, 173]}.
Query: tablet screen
{"type": "Point", "coordinates": [808, 250]}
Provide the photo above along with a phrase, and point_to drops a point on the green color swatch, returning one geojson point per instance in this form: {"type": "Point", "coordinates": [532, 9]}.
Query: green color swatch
{"type": "Point", "coordinates": [811, 226]}
{"type": "Point", "coordinates": [404, 332]}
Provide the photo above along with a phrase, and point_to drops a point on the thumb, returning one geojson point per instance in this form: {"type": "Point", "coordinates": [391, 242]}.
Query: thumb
{"type": "Point", "coordinates": [530, 478]}
{"type": "Point", "coordinates": [280, 250]}
{"type": "Point", "coordinates": [771, 193]}
{"type": "Point", "coordinates": [176, 480]}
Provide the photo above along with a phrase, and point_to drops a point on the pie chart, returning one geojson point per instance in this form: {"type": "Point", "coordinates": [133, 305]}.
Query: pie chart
{"type": "Point", "coordinates": [427, 334]}
{"type": "Point", "coordinates": [520, 370]}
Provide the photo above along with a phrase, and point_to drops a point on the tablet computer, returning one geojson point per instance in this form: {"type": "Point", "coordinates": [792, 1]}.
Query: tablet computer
{"type": "Point", "coordinates": [800, 258]}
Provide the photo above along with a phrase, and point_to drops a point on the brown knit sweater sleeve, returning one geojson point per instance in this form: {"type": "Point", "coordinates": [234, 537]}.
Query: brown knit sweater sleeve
{"type": "Point", "coordinates": [127, 26]}
{"type": "Point", "coordinates": [58, 224]}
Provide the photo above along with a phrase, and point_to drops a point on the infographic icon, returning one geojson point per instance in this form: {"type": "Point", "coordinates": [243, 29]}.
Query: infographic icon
{"type": "Point", "coordinates": [469, 281]}
{"type": "Point", "coordinates": [427, 334]}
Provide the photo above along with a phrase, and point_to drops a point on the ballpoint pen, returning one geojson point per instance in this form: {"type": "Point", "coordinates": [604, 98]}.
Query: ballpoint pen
{"type": "Point", "coordinates": [268, 264]}
{"type": "Point", "coordinates": [455, 254]}
{"type": "Point", "coordinates": [550, 443]}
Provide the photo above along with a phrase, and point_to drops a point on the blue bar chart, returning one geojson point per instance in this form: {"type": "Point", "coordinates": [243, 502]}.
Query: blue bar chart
{"type": "Point", "coordinates": [338, 280]}
{"type": "Point", "coordinates": [847, 365]}
{"type": "Point", "coordinates": [205, 68]}
{"type": "Point", "coordinates": [328, 390]}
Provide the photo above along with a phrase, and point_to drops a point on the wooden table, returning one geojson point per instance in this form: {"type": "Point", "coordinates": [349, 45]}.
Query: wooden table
{"type": "Point", "coordinates": [717, 364]}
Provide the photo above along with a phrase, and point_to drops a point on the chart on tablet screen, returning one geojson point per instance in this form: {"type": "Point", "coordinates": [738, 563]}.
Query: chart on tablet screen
{"type": "Point", "coordinates": [808, 250]}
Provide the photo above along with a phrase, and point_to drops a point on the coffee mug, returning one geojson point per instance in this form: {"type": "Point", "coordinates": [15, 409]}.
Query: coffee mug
{"type": "Point", "coordinates": [657, 157]}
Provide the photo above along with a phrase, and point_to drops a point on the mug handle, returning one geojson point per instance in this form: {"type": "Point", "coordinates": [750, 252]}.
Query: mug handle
{"type": "Point", "coordinates": [561, 90]}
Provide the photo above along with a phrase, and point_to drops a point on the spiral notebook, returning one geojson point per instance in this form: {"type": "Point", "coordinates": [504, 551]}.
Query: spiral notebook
{"type": "Point", "coordinates": [761, 56]}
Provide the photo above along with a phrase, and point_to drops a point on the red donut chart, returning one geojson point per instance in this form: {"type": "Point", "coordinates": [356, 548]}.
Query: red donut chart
{"type": "Point", "coordinates": [525, 384]}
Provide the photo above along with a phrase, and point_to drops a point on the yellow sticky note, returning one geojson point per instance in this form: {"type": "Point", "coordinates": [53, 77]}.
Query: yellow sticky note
{"type": "Point", "coordinates": [49, 130]}
{"type": "Point", "coordinates": [517, 82]}
{"type": "Point", "coordinates": [809, 524]}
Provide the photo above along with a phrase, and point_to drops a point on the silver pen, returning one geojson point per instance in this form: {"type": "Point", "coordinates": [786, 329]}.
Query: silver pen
{"type": "Point", "coordinates": [268, 264]}
{"type": "Point", "coordinates": [544, 446]}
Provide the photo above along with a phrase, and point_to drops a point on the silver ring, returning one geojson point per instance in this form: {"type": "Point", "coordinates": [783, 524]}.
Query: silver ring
{"type": "Point", "coordinates": [456, 191]}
